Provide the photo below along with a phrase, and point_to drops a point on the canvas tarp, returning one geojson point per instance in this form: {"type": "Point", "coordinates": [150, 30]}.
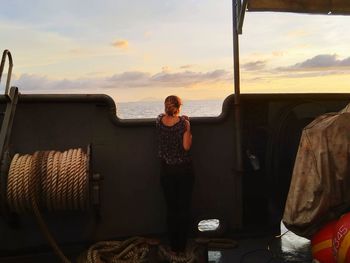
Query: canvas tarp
{"type": "Point", "coordinates": [320, 185]}
{"type": "Point", "coordinates": [301, 6]}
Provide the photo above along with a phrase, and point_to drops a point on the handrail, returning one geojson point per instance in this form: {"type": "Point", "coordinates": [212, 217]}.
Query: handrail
{"type": "Point", "coordinates": [9, 72]}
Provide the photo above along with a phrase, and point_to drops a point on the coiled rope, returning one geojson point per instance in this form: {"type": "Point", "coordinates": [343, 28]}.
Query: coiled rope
{"type": "Point", "coordinates": [54, 180]}
{"type": "Point", "coordinates": [187, 257]}
{"type": "Point", "coordinates": [134, 250]}
{"type": "Point", "coordinates": [49, 180]}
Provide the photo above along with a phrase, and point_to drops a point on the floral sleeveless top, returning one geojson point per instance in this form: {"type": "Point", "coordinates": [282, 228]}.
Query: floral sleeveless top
{"type": "Point", "coordinates": [170, 144]}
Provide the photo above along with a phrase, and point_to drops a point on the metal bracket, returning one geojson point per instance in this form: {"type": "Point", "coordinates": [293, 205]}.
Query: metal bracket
{"type": "Point", "coordinates": [96, 191]}
{"type": "Point", "coordinates": [95, 188]}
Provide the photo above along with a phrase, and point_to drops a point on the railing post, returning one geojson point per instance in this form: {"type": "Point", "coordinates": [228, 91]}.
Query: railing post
{"type": "Point", "coordinates": [9, 72]}
{"type": "Point", "coordinates": [237, 111]}
{"type": "Point", "coordinates": [11, 96]}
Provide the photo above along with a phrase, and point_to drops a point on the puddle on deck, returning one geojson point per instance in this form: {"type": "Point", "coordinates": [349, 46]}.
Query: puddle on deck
{"type": "Point", "coordinates": [294, 248]}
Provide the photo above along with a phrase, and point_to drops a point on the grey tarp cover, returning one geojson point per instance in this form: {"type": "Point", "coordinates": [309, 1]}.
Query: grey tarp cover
{"type": "Point", "coordinates": [320, 185]}
{"type": "Point", "coordinates": [301, 6]}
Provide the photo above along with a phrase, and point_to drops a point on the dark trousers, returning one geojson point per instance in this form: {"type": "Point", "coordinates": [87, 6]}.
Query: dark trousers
{"type": "Point", "coordinates": [177, 183]}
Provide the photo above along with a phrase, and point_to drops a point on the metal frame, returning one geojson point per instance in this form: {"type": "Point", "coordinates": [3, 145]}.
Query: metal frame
{"type": "Point", "coordinates": [5, 135]}
{"type": "Point", "coordinates": [12, 98]}
{"type": "Point", "coordinates": [5, 54]}
{"type": "Point", "coordinates": [238, 11]}
{"type": "Point", "coordinates": [238, 14]}
{"type": "Point", "coordinates": [7, 122]}
{"type": "Point", "coordinates": [11, 95]}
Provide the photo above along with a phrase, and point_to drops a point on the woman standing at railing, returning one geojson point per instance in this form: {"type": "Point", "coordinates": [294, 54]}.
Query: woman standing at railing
{"type": "Point", "coordinates": [175, 140]}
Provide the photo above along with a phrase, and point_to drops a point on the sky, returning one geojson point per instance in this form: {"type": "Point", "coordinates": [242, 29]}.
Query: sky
{"type": "Point", "coordinates": [145, 50]}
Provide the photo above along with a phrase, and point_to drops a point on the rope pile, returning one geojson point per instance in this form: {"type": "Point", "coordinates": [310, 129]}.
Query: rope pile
{"type": "Point", "coordinates": [187, 257]}
{"type": "Point", "coordinates": [134, 249]}
{"type": "Point", "coordinates": [54, 180]}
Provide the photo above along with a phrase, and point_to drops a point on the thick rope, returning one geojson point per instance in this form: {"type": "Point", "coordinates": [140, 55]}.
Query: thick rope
{"type": "Point", "coordinates": [134, 249]}
{"type": "Point", "coordinates": [33, 175]}
{"type": "Point", "coordinates": [61, 178]}
{"type": "Point", "coordinates": [50, 180]}
{"type": "Point", "coordinates": [53, 180]}
{"type": "Point", "coordinates": [189, 256]}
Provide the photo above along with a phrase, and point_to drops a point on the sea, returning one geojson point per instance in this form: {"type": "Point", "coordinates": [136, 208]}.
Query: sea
{"type": "Point", "coordinates": [151, 109]}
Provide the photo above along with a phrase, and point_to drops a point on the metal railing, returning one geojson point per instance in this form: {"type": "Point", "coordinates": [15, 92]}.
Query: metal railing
{"type": "Point", "coordinates": [11, 95]}
{"type": "Point", "coordinates": [5, 54]}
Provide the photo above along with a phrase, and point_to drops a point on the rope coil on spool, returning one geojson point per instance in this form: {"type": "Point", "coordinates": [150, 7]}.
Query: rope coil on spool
{"type": "Point", "coordinates": [54, 180]}
{"type": "Point", "coordinates": [49, 180]}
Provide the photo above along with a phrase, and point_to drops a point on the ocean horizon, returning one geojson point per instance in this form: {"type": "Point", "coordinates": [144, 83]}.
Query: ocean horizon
{"type": "Point", "coordinates": [151, 109]}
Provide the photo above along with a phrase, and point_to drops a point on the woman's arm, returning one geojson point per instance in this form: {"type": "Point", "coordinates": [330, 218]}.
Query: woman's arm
{"type": "Point", "coordinates": [187, 138]}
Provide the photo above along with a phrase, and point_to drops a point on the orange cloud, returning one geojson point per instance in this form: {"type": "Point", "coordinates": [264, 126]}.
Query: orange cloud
{"type": "Point", "coordinates": [166, 69]}
{"type": "Point", "coordinates": [187, 66]}
{"type": "Point", "coordinates": [278, 53]}
{"type": "Point", "coordinates": [121, 44]}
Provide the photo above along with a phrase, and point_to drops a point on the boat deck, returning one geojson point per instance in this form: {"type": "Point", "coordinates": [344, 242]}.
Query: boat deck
{"type": "Point", "coordinates": [288, 248]}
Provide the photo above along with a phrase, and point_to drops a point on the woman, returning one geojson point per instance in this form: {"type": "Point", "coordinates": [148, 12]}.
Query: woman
{"type": "Point", "coordinates": [175, 140]}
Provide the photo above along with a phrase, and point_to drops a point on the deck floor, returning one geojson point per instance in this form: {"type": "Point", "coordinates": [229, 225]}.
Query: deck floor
{"type": "Point", "coordinates": [289, 249]}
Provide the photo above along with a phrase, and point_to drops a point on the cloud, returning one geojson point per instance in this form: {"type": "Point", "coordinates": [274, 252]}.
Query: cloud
{"type": "Point", "coordinates": [190, 78]}
{"type": "Point", "coordinates": [317, 66]}
{"type": "Point", "coordinates": [311, 74]}
{"type": "Point", "coordinates": [166, 69]}
{"type": "Point", "coordinates": [168, 79]}
{"type": "Point", "coordinates": [187, 66]}
{"type": "Point", "coordinates": [278, 53]}
{"type": "Point", "coordinates": [36, 83]}
{"type": "Point", "coordinates": [131, 79]}
{"type": "Point", "coordinates": [30, 83]}
{"type": "Point", "coordinates": [255, 65]}
{"type": "Point", "coordinates": [319, 62]}
{"type": "Point", "coordinates": [121, 44]}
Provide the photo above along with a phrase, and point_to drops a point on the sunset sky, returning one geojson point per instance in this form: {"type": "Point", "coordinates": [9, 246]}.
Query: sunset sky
{"type": "Point", "coordinates": [144, 50]}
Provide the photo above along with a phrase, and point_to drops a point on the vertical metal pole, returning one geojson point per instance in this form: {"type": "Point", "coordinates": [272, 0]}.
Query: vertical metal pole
{"type": "Point", "coordinates": [5, 134]}
{"type": "Point", "coordinates": [241, 15]}
{"type": "Point", "coordinates": [9, 72]}
{"type": "Point", "coordinates": [237, 112]}
{"type": "Point", "coordinates": [235, 15]}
